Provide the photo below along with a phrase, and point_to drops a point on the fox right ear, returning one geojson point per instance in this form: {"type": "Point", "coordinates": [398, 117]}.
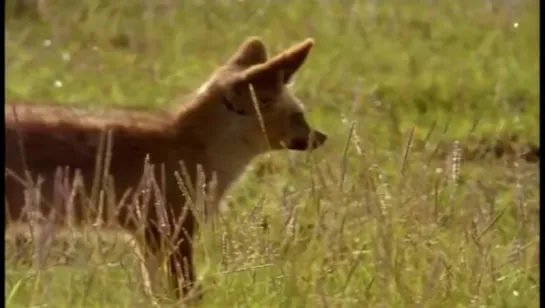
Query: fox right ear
{"type": "Point", "coordinates": [285, 64]}
{"type": "Point", "coordinates": [251, 52]}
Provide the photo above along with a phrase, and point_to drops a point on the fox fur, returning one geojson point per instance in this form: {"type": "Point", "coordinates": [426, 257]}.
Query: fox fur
{"type": "Point", "coordinates": [243, 110]}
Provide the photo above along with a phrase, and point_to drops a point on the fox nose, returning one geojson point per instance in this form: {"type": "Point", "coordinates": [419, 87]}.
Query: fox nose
{"type": "Point", "coordinates": [318, 139]}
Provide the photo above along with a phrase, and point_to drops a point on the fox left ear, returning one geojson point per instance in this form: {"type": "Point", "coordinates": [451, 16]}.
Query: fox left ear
{"type": "Point", "coordinates": [284, 64]}
{"type": "Point", "coordinates": [251, 52]}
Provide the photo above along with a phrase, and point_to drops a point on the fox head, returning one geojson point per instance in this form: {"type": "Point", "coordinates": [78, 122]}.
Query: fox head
{"type": "Point", "coordinates": [252, 91]}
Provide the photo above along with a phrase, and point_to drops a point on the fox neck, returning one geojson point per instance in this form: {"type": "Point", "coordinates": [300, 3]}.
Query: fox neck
{"type": "Point", "coordinates": [219, 136]}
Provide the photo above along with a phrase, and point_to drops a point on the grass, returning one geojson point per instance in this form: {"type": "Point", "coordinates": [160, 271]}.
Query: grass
{"type": "Point", "coordinates": [394, 211]}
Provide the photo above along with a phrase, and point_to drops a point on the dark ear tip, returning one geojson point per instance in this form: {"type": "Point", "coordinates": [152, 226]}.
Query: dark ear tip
{"type": "Point", "coordinates": [254, 43]}
{"type": "Point", "coordinates": [309, 42]}
{"type": "Point", "coordinates": [254, 39]}
{"type": "Point", "coordinates": [305, 45]}
{"type": "Point", "coordinates": [252, 51]}
{"type": "Point", "coordinates": [303, 48]}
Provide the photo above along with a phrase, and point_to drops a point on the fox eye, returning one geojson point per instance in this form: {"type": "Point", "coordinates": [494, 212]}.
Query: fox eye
{"type": "Point", "coordinates": [266, 101]}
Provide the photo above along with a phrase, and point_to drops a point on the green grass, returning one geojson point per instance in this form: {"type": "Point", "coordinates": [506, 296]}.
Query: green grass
{"type": "Point", "coordinates": [378, 218]}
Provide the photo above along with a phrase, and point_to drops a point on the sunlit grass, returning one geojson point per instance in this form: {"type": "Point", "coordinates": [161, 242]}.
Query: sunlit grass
{"type": "Point", "coordinates": [390, 213]}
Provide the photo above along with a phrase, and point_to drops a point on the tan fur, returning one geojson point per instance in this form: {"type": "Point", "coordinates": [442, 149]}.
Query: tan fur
{"type": "Point", "coordinates": [218, 128]}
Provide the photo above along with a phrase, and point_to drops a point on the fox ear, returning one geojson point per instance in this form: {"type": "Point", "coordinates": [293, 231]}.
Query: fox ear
{"type": "Point", "coordinates": [251, 52]}
{"type": "Point", "coordinates": [285, 64]}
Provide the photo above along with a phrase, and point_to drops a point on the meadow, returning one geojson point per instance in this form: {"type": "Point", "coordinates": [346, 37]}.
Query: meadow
{"type": "Point", "coordinates": [425, 195]}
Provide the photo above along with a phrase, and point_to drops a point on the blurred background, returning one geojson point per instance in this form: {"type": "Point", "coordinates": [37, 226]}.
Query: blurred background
{"type": "Point", "coordinates": [433, 116]}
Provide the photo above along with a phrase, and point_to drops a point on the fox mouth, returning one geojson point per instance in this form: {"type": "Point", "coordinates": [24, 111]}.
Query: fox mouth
{"type": "Point", "coordinates": [316, 140]}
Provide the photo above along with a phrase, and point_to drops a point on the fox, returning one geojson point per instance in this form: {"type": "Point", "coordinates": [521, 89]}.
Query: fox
{"type": "Point", "coordinates": [244, 109]}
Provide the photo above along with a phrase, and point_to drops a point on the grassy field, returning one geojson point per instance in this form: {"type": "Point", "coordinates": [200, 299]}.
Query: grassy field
{"type": "Point", "coordinates": [417, 200]}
